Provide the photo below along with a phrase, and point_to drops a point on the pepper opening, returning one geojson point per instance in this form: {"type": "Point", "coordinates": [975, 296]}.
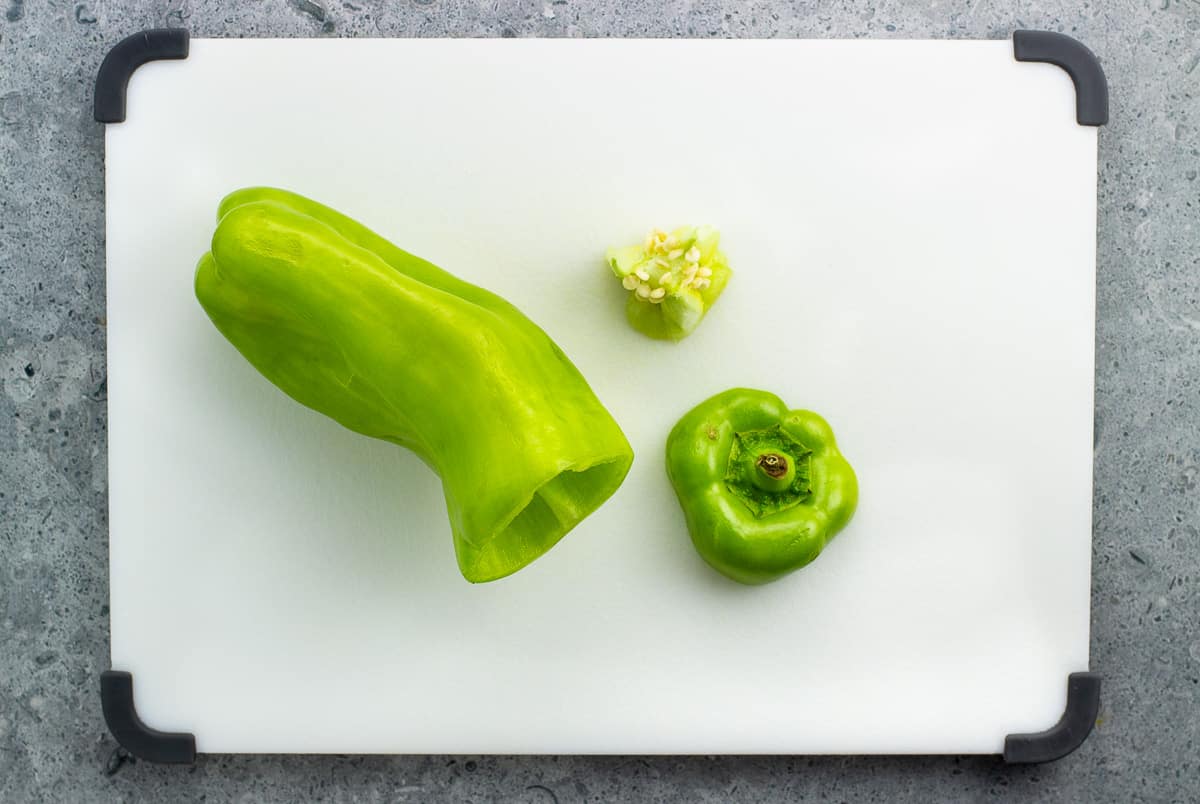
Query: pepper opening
{"type": "Point", "coordinates": [556, 507]}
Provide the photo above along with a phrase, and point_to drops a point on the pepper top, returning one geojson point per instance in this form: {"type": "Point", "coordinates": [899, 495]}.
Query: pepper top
{"type": "Point", "coordinates": [763, 488]}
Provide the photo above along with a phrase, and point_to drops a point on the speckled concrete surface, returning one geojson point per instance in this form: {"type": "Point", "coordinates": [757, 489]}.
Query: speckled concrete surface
{"type": "Point", "coordinates": [53, 582]}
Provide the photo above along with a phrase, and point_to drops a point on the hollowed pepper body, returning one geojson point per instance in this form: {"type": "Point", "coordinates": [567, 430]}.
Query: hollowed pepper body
{"type": "Point", "coordinates": [393, 347]}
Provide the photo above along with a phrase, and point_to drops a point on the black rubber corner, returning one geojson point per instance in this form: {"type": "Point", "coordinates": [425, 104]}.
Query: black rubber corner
{"type": "Point", "coordinates": [1091, 87]}
{"type": "Point", "coordinates": [126, 56]}
{"type": "Point", "coordinates": [1083, 704]}
{"type": "Point", "coordinates": [116, 698]}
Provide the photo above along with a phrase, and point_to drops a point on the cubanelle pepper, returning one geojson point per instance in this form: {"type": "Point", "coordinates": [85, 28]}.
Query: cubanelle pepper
{"type": "Point", "coordinates": [763, 488]}
{"type": "Point", "coordinates": [393, 347]}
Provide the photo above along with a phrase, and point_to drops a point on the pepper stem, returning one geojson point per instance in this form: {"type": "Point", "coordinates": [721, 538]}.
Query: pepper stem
{"type": "Point", "coordinates": [773, 472]}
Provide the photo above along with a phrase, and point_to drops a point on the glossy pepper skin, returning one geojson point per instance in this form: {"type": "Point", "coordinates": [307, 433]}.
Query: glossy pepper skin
{"type": "Point", "coordinates": [763, 488]}
{"type": "Point", "coordinates": [393, 347]}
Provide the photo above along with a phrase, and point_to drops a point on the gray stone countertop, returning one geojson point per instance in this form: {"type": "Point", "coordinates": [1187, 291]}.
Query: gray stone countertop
{"type": "Point", "coordinates": [1145, 636]}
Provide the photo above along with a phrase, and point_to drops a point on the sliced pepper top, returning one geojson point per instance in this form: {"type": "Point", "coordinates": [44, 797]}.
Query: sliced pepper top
{"type": "Point", "coordinates": [763, 488]}
{"type": "Point", "coordinates": [672, 278]}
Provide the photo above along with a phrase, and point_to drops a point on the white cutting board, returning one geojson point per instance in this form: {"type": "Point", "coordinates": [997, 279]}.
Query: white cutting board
{"type": "Point", "coordinates": [920, 216]}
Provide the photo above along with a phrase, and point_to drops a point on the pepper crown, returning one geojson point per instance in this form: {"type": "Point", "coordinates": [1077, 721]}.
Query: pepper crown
{"type": "Point", "coordinates": [768, 470]}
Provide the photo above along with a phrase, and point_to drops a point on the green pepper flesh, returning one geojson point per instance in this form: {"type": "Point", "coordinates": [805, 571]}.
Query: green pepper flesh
{"type": "Point", "coordinates": [393, 347]}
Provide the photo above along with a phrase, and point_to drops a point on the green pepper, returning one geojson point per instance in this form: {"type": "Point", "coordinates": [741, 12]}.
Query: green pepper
{"type": "Point", "coordinates": [763, 488]}
{"type": "Point", "coordinates": [673, 279]}
{"type": "Point", "coordinates": [395, 348]}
